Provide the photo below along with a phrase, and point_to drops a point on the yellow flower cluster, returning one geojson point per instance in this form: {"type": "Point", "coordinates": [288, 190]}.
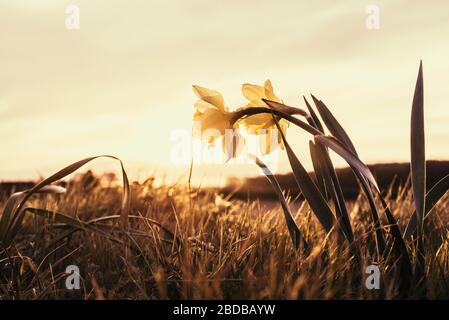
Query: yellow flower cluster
{"type": "Point", "coordinates": [216, 120]}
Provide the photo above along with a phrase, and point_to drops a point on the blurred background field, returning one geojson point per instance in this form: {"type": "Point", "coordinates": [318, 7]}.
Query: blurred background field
{"type": "Point", "coordinates": [200, 243]}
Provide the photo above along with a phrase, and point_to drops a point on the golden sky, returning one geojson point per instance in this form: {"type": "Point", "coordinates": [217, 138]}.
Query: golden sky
{"type": "Point", "coordinates": [121, 84]}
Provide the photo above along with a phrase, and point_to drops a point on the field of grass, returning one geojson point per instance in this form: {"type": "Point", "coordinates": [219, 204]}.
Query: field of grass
{"type": "Point", "coordinates": [190, 244]}
{"type": "Point", "coordinates": [140, 241]}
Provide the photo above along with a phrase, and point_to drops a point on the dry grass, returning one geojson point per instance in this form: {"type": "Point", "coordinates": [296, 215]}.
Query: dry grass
{"type": "Point", "coordinates": [174, 242]}
{"type": "Point", "coordinates": [213, 249]}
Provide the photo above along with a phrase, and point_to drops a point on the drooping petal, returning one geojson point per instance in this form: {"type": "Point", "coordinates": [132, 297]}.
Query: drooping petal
{"type": "Point", "coordinates": [264, 143]}
{"type": "Point", "coordinates": [269, 92]}
{"type": "Point", "coordinates": [213, 97]}
{"type": "Point", "coordinates": [283, 124]}
{"type": "Point", "coordinates": [268, 140]}
{"type": "Point", "coordinates": [268, 86]}
{"type": "Point", "coordinates": [233, 143]}
{"type": "Point", "coordinates": [202, 106]}
{"type": "Point", "coordinates": [211, 124]}
{"type": "Point", "coordinates": [254, 93]}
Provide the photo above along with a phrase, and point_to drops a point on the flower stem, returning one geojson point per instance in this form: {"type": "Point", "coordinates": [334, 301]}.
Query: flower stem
{"type": "Point", "coordinates": [258, 110]}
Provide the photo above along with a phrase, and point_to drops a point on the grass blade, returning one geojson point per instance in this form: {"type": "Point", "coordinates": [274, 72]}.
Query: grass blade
{"type": "Point", "coordinates": [65, 219]}
{"type": "Point", "coordinates": [380, 239]}
{"type": "Point", "coordinates": [400, 250]}
{"type": "Point", "coordinates": [125, 204]}
{"type": "Point", "coordinates": [8, 211]}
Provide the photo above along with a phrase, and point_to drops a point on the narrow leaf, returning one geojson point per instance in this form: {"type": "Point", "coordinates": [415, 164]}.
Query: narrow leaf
{"type": "Point", "coordinates": [362, 172]}
{"type": "Point", "coordinates": [400, 249]}
{"type": "Point", "coordinates": [311, 193]}
{"type": "Point", "coordinates": [293, 228]}
{"type": "Point", "coordinates": [380, 239]}
{"type": "Point", "coordinates": [12, 202]}
{"type": "Point", "coordinates": [62, 218]}
{"type": "Point", "coordinates": [318, 169]}
{"type": "Point", "coordinates": [417, 143]}
{"type": "Point", "coordinates": [284, 108]}
{"type": "Point", "coordinates": [432, 197]}
{"type": "Point", "coordinates": [125, 205]}
{"type": "Point", "coordinates": [333, 185]}
{"type": "Point", "coordinates": [333, 125]}
{"type": "Point", "coordinates": [315, 118]}
{"type": "Point", "coordinates": [350, 157]}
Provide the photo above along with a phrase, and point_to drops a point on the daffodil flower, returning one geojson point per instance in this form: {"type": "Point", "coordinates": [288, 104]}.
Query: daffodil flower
{"type": "Point", "coordinates": [263, 123]}
{"type": "Point", "coordinates": [215, 121]}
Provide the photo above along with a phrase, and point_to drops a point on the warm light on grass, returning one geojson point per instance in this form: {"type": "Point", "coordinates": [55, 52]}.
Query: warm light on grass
{"type": "Point", "coordinates": [178, 241]}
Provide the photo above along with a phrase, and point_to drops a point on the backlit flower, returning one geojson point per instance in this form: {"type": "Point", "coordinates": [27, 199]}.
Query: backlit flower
{"type": "Point", "coordinates": [213, 120]}
{"type": "Point", "coordinates": [263, 123]}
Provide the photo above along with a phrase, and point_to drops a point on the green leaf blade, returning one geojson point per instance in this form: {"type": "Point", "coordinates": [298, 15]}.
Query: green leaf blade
{"type": "Point", "coordinates": [293, 228]}
{"type": "Point", "coordinates": [417, 147]}
{"type": "Point", "coordinates": [311, 193]}
{"type": "Point", "coordinates": [333, 125]}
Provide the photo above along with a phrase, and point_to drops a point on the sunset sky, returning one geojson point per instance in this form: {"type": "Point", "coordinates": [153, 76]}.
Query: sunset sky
{"type": "Point", "coordinates": [122, 83]}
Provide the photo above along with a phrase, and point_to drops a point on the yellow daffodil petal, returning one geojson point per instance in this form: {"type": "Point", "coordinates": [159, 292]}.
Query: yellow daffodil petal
{"type": "Point", "coordinates": [254, 93]}
{"type": "Point", "coordinates": [211, 124]}
{"type": "Point", "coordinates": [268, 86]}
{"type": "Point", "coordinates": [211, 96]}
{"type": "Point", "coordinates": [265, 142]}
{"type": "Point", "coordinates": [269, 92]}
{"type": "Point", "coordinates": [258, 121]}
{"type": "Point", "coordinates": [232, 144]}
{"type": "Point", "coordinates": [270, 138]}
{"type": "Point", "coordinates": [283, 124]}
{"type": "Point", "coordinates": [201, 106]}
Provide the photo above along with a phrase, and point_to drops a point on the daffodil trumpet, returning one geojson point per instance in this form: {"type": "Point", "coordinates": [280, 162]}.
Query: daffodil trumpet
{"type": "Point", "coordinates": [263, 124]}
{"type": "Point", "coordinates": [212, 120]}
